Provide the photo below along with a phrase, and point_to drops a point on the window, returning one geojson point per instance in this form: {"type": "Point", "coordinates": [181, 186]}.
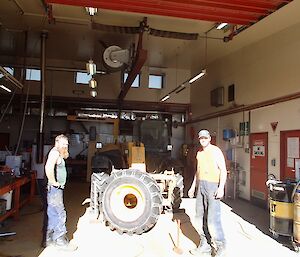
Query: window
{"type": "Point", "coordinates": [33, 74]}
{"type": "Point", "coordinates": [83, 78]}
{"type": "Point", "coordinates": [156, 81]}
{"type": "Point", "coordinates": [136, 82]}
{"type": "Point", "coordinates": [9, 70]}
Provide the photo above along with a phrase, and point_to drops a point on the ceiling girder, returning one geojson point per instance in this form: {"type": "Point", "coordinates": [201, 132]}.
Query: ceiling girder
{"type": "Point", "coordinates": [242, 12]}
{"type": "Point", "coordinates": [140, 59]}
{"type": "Point", "coordinates": [271, 5]}
{"type": "Point", "coordinates": [221, 5]}
{"type": "Point", "coordinates": [142, 56]}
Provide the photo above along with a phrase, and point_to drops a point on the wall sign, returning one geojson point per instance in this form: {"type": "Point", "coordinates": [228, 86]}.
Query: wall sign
{"type": "Point", "coordinates": [258, 150]}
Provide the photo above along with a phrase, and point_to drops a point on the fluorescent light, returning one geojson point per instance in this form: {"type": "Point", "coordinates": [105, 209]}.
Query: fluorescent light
{"type": "Point", "coordinates": [91, 67]}
{"type": "Point", "coordinates": [5, 88]}
{"type": "Point", "coordinates": [91, 10]}
{"type": "Point", "coordinates": [93, 83]}
{"type": "Point", "coordinates": [222, 25]}
{"type": "Point", "coordinates": [201, 74]}
{"type": "Point", "coordinates": [180, 89]}
{"type": "Point", "coordinates": [183, 86]}
{"type": "Point", "coordinates": [165, 98]}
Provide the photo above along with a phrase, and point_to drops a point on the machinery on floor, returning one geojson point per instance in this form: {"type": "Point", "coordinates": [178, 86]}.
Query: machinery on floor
{"type": "Point", "coordinates": [129, 199]}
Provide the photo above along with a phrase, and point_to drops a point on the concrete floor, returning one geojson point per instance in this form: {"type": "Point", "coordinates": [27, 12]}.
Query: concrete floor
{"type": "Point", "coordinates": [245, 225]}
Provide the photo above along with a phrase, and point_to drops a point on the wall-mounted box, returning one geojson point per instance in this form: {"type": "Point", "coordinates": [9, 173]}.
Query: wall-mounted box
{"type": "Point", "coordinates": [217, 97]}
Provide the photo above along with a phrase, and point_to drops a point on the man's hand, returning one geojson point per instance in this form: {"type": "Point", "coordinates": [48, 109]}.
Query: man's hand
{"type": "Point", "coordinates": [219, 193]}
{"type": "Point", "coordinates": [55, 184]}
{"type": "Point", "coordinates": [191, 192]}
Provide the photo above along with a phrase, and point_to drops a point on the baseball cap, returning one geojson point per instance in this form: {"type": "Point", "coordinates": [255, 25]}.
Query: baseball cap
{"type": "Point", "coordinates": [203, 133]}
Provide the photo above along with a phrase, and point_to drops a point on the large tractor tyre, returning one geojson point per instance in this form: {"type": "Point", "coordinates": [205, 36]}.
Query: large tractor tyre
{"type": "Point", "coordinates": [177, 194]}
{"type": "Point", "coordinates": [101, 163]}
{"type": "Point", "coordinates": [97, 182]}
{"type": "Point", "coordinates": [131, 202]}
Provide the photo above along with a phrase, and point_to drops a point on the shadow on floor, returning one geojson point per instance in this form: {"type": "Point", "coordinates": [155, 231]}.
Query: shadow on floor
{"type": "Point", "coordinates": [258, 216]}
{"type": "Point", "coordinates": [73, 202]}
{"type": "Point", "coordinates": [186, 226]}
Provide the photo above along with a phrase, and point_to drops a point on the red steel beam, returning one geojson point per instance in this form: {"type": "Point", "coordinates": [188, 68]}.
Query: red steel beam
{"type": "Point", "coordinates": [243, 12]}
{"type": "Point", "coordinates": [221, 5]}
{"type": "Point", "coordinates": [178, 10]}
{"type": "Point", "coordinates": [141, 59]}
{"type": "Point", "coordinates": [258, 4]}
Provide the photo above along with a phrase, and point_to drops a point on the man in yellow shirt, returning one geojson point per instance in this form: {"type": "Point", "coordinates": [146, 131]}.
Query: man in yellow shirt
{"type": "Point", "coordinates": [211, 178]}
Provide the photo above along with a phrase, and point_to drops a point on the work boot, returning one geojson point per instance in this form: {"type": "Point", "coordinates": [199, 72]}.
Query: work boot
{"type": "Point", "coordinates": [62, 243]}
{"type": "Point", "coordinates": [220, 250]}
{"type": "Point", "coordinates": [204, 249]}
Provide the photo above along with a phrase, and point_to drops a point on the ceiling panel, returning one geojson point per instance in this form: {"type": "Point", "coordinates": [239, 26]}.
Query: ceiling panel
{"type": "Point", "coordinates": [71, 36]}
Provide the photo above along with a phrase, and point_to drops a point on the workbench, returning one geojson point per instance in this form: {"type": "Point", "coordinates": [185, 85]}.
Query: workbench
{"type": "Point", "coordinates": [16, 185]}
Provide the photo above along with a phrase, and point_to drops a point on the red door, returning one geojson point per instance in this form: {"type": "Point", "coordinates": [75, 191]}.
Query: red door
{"type": "Point", "coordinates": [289, 154]}
{"type": "Point", "coordinates": [259, 168]}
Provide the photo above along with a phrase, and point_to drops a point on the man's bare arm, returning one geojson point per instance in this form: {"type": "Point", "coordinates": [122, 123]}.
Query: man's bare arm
{"type": "Point", "coordinates": [223, 176]}
{"type": "Point", "coordinates": [191, 191]}
{"type": "Point", "coordinates": [49, 167]}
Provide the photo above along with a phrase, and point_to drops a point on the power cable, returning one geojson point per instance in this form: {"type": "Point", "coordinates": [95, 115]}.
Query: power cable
{"type": "Point", "coordinates": [26, 103]}
{"type": "Point", "coordinates": [23, 120]}
{"type": "Point", "coordinates": [10, 100]}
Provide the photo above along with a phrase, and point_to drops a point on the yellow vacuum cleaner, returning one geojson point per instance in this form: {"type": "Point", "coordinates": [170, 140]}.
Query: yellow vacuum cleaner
{"type": "Point", "coordinates": [284, 203]}
{"type": "Point", "coordinates": [281, 208]}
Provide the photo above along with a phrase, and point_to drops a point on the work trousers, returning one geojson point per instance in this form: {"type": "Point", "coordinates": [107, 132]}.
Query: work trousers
{"type": "Point", "coordinates": [208, 213]}
{"type": "Point", "coordinates": [56, 212]}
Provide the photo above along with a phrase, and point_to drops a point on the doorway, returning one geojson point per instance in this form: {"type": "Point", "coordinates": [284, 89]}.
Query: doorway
{"type": "Point", "coordinates": [259, 169]}
{"type": "Point", "coordinates": [289, 155]}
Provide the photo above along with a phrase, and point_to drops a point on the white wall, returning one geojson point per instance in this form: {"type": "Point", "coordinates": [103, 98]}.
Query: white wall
{"type": "Point", "coordinates": [262, 71]}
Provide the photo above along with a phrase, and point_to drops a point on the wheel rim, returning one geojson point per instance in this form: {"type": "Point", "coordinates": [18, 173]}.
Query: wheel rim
{"type": "Point", "coordinates": [127, 202]}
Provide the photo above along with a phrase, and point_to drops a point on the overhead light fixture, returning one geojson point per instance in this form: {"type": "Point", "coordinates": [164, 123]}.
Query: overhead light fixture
{"type": "Point", "coordinates": [221, 25]}
{"type": "Point", "coordinates": [188, 82]}
{"type": "Point", "coordinates": [91, 10]}
{"type": "Point", "coordinates": [165, 98]}
{"type": "Point", "coordinates": [5, 88]}
{"type": "Point", "coordinates": [182, 86]}
{"type": "Point", "coordinates": [200, 75]}
{"type": "Point", "coordinates": [93, 93]}
{"type": "Point", "coordinates": [91, 67]}
{"type": "Point", "coordinates": [93, 83]}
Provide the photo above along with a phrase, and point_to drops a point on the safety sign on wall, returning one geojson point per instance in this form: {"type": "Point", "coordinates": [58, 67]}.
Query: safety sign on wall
{"type": "Point", "coordinates": [258, 148]}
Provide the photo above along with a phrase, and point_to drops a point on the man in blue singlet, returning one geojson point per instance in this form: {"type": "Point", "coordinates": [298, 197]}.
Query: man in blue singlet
{"type": "Point", "coordinates": [57, 174]}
